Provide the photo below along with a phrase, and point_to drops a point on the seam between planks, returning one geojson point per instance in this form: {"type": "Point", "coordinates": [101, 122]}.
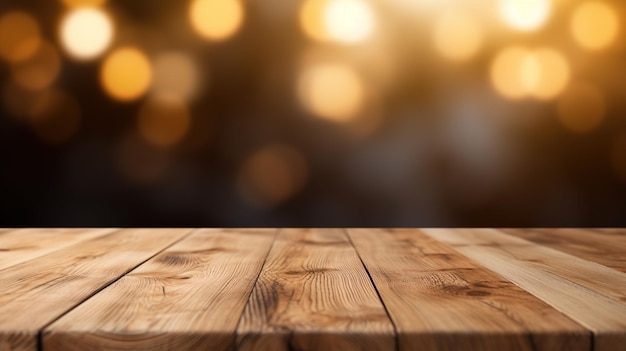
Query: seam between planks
{"type": "Point", "coordinates": [560, 248]}
{"type": "Point", "coordinates": [396, 335]}
{"type": "Point", "coordinates": [97, 291]}
{"type": "Point", "coordinates": [592, 342]}
{"type": "Point", "coordinates": [590, 331]}
{"type": "Point", "coordinates": [235, 347]}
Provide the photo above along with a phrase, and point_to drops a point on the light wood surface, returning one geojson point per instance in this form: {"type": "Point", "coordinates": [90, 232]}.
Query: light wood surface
{"type": "Point", "coordinates": [592, 294]}
{"type": "Point", "coordinates": [313, 294]}
{"type": "Point", "coordinates": [318, 289]}
{"type": "Point", "coordinates": [36, 292]}
{"type": "Point", "coordinates": [188, 297]}
{"type": "Point", "coordinates": [604, 246]}
{"type": "Point", "coordinates": [440, 300]}
{"type": "Point", "coordinates": [20, 245]}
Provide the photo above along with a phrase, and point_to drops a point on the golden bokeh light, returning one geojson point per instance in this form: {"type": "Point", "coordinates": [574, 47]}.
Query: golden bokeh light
{"type": "Point", "coordinates": [19, 36]}
{"type": "Point", "coordinates": [517, 73]}
{"type": "Point", "coordinates": [216, 19]}
{"type": "Point", "coordinates": [349, 21]}
{"type": "Point", "coordinates": [312, 19]}
{"type": "Point", "coordinates": [332, 91]}
{"type": "Point", "coordinates": [529, 73]}
{"type": "Point", "coordinates": [163, 120]}
{"type": "Point", "coordinates": [457, 36]}
{"type": "Point", "coordinates": [86, 33]}
{"type": "Point", "coordinates": [175, 74]}
{"type": "Point", "coordinates": [272, 175]}
{"type": "Point", "coordinates": [55, 117]}
{"type": "Point", "coordinates": [40, 70]}
{"type": "Point", "coordinates": [126, 74]}
{"type": "Point", "coordinates": [344, 21]}
{"type": "Point", "coordinates": [581, 107]}
{"type": "Point", "coordinates": [84, 3]}
{"type": "Point", "coordinates": [509, 70]}
{"type": "Point", "coordinates": [554, 74]}
{"type": "Point", "coordinates": [595, 25]}
{"type": "Point", "coordinates": [525, 15]}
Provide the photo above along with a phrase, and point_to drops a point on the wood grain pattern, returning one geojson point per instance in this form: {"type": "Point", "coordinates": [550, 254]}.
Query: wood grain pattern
{"type": "Point", "coordinates": [445, 289]}
{"type": "Point", "coordinates": [314, 294]}
{"type": "Point", "coordinates": [188, 297]}
{"type": "Point", "coordinates": [603, 246]}
{"type": "Point", "coordinates": [34, 293]}
{"type": "Point", "coordinates": [20, 245]}
{"type": "Point", "coordinates": [440, 300]}
{"type": "Point", "coordinates": [590, 293]}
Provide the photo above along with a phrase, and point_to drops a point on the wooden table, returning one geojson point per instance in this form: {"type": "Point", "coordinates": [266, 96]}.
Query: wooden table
{"type": "Point", "coordinates": [318, 289]}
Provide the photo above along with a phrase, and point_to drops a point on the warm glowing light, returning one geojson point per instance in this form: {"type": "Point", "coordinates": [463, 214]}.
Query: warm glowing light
{"type": "Point", "coordinates": [517, 73]}
{"type": "Point", "coordinates": [126, 74]}
{"type": "Point", "coordinates": [55, 117]}
{"type": "Point", "coordinates": [525, 15]}
{"type": "Point", "coordinates": [582, 107]}
{"type": "Point", "coordinates": [553, 75]}
{"type": "Point", "coordinates": [163, 120]}
{"type": "Point", "coordinates": [86, 3]}
{"type": "Point", "coordinates": [595, 25]}
{"type": "Point", "coordinates": [457, 36]}
{"type": "Point", "coordinates": [272, 175]}
{"type": "Point", "coordinates": [19, 36]}
{"type": "Point", "coordinates": [39, 71]}
{"type": "Point", "coordinates": [529, 72]}
{"type": "Point", "coordinates": [509, 72]}
{"type": "Point", "coordinates": [349, 21]}
{"type": "Point", "coordinates": [332, 91]}
{"type": "Point", "coordinates": [345, 21]}
{"type": "Point", "coordinates": [312, 19]}
{"type": "Point", "coordinates": [216, 19]}
{"type": "Point", "coordinates": [86, 33]}
{"type": "Point", "coordinates": [175, 74]}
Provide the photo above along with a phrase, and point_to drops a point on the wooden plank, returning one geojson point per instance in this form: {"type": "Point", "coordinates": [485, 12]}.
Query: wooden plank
{"type": "Point", "coordinates": [606, 247]}
{"type": "Point", "coordinates": [590, 293]}
{"type": "Point", "coordinates": [440, 300]}
{"type": "Point", "coordinates": [36, 292]}
{"type": "Point", "coordinates": [314, 294]}
{"type": "Point", "coordinates": [20, 245]}
{"type": "Point", "coordinates": [608, 231]}
{"type": "Point", "coordinates": [188, 297]}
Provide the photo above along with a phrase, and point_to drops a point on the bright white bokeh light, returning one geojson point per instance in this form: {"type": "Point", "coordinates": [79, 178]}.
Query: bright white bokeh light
{"type": "Point", "coordinates": [86, 33]}
{"type": "Point", "coordinates": [525, 15]}
{"type": "Point", "coordinates": [349, 21]}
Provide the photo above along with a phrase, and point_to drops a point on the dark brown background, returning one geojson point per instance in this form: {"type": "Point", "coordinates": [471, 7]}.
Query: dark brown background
{"type": "Point", "coordinates": [448, 151]}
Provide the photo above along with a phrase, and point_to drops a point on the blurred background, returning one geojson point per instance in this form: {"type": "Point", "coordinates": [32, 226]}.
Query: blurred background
{"type": "Point", "coordinates": [312, 113]}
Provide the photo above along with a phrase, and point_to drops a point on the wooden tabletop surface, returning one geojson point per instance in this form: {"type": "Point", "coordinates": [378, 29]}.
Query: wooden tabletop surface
{"type": "Point", "coordinates": [313, 289]}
